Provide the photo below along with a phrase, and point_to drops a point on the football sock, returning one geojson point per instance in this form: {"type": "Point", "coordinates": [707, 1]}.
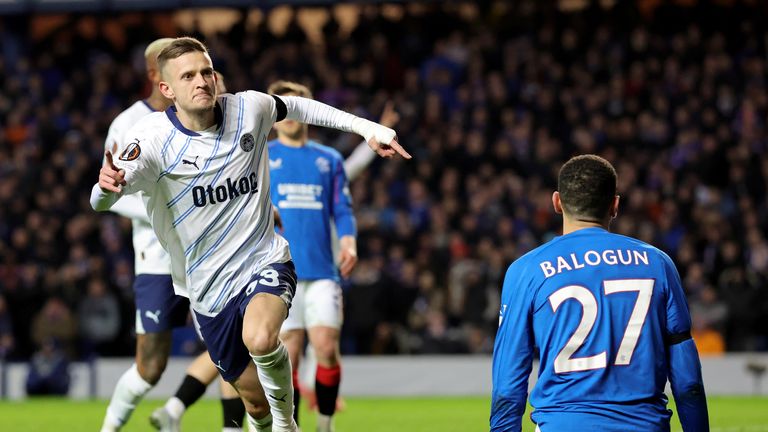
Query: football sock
{"type": "Point", "coordinates": [175, 407]}
{"type": "Point", "coordinates": [296, 395]}
{"type": "Point", "coordinates": [129, 391]}
{"type": "Point", "coordinates": [274, 371]}
{"type": "Point", "coordinates": [324, 423]}
{"type": "Point", "coordinates": [234, 411]}
{"type": "Point", "coordinates": [190, 390]}
{"type": "Point", "coordinates": [327, 388]}
{"type": "Point", "coordinates": [262, 424]}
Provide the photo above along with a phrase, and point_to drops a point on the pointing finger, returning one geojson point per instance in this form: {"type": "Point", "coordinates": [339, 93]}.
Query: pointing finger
{"type": "Point", "coordinates": [108, 156]}
{"type": "Point", "coordinates": [398, 148]}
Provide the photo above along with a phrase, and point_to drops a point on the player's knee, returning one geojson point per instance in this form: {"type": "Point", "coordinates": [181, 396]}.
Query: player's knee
{"type": "Point", "coordinates": [326, 351]}
{"type": "Point", "coordinates": [260, 341]}
{"type": "Point", "coordinates": [258, 410]}
{"type": "Point", "coordinates": [151, 368]}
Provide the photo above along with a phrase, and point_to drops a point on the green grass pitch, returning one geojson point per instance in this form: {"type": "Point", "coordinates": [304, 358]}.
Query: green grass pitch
{"type": "Point", "coordinates": [727, 414]}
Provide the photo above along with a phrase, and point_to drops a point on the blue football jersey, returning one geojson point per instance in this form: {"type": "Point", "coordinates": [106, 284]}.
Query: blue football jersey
{"type": "Point", "coordinates": [601, 308]}
{"type": "Point", "coordinates": [311, 190]}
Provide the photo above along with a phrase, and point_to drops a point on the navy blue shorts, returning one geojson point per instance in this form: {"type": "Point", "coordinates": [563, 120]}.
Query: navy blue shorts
{"type": "Point", "coordinates": [158, 308]}
{"type": "Point", "coordinates": [223, 333]}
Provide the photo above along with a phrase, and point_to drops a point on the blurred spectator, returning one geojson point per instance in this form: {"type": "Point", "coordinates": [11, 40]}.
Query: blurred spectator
{"type": "Point", "coordinates": [708, 315]}
{"type": "Point", "coordinates": [48, 371]}
{"type": "Point", "coordinates": [55, 325]}
{"type": "Point", "coordinates": [98, 316]}
{"type": "Point", "coordinates": [6, 329]}
{"type": "Point", "coordinates": [439, 337]}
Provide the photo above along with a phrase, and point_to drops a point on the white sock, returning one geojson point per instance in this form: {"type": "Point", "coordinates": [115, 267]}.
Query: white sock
{"type": "Point", "coordinates": [175, 407]}
{"type": "Point", "coordinates": [275, 375]}
{"type": "Point", "coordinates": [259, 425]}
{"type": "Point", "coordinates": [129, 391]}
{"type": "Point", "coordinates": [231, 429]}
{"type": "Point", "coordinates": [324, 423]}
{"type": "Point", "coordinates": [110, 424]}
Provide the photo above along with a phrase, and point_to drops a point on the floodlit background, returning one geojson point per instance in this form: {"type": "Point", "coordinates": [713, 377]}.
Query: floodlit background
{"type": "Point", "coordinates": [493, 97]}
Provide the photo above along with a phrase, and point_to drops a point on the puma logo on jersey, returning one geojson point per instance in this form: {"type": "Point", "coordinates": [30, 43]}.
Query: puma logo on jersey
{"type": "Point", "coordinates": [218, 366]}
{"type": "Point", "coordinates": [276, 164]}
{"type": "Point", "coordinates": [204, 195]}
{"type": "Point", "coordinates": [186, 162]}
{"type": "Point", "coordinates": [154, 316]}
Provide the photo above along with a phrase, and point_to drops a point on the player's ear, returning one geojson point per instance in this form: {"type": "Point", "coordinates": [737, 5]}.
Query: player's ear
{"type": "Point", "coordinates": [615, 207]}
{"type": "Point", "coordinates": [165, 89]}
{"type": "Point", "coordinates": [556, 203]}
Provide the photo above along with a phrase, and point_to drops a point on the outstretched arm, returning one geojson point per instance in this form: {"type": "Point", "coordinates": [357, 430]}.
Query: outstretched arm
{"type": "Point", "coordinates": [379, 138]}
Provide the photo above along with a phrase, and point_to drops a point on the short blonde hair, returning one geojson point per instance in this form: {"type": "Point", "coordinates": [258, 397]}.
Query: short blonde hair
{"type": "Point", "coordinates": [281, 88]}
{"type": "Point", "coordinates": [179, 47]}
{"type": "Point", "coordinates": [154, 48]}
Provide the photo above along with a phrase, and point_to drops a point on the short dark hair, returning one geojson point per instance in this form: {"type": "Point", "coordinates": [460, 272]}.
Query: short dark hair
{"type": "Point", "coordinates": [177, 48]}
{"type": "Point", "coordinates": [587, 186]}
{"type": "Point", "coordinates": [282, 88]}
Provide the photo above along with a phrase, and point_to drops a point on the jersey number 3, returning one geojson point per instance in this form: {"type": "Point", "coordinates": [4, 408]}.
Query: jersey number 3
{"type": "Point", "coordinates": [564, 362]}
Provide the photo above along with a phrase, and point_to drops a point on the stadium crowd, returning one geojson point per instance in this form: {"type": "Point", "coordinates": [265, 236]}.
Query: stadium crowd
{"type": "Point", "coordinates": [492, 101]}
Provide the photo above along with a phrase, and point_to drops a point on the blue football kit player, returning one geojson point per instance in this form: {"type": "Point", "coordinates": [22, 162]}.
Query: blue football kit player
{"type": "Point", "coordinates": [310, 189]}
{"type": "Point", "coordinates": [609, 317]}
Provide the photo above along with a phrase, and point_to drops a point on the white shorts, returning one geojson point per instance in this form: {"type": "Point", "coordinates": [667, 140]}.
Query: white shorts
{"type": "Point", "coordinates": [316, 303]}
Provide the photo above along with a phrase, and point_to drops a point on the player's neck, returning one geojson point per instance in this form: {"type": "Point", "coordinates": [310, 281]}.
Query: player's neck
{"type": "Point", "coordinates": [572, 225]}
{"type": "Point", "coordinates": [289, 141]}
{"type": "Point", "coordinates": [197, 121]}
{"type": "Point", "coordinates": [158, 102]}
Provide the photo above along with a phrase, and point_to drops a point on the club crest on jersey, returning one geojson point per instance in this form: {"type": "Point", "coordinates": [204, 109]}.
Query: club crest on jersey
{"type": "Point", "coordinates": [322, 164]}
{"type": "Point", "coordinates": [247, 142]}
{"type": "Point", "coordinates": [131, 152]}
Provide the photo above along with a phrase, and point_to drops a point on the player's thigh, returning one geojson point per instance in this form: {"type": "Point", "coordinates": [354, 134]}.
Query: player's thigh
{"type": "Point", "coordinates": [296, 314]}
{"type": "Point", "coordinates": [228, 391]}
{"type": "Point", "coordinates": [264, 307]}
{"type": "Point", "coordinates": [324, 304]}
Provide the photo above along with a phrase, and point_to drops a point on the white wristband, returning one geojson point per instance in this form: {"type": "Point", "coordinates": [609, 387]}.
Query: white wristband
{"type": "Point", "coordinates": [368, 129]}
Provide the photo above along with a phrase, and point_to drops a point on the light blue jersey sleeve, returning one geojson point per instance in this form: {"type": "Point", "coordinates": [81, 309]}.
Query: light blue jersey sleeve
{"type": "Point", "coordinates": [513, 351]}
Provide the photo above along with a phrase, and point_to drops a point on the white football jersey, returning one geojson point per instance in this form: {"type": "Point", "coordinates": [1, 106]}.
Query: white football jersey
{"type": "Point", "coordinates": [150, 257]}
{"type": "Point", "coordinates": [207, 195]}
